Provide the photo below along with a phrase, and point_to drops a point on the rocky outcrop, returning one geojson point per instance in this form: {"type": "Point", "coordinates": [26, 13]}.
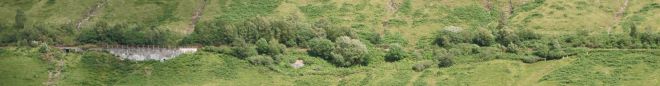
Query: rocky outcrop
{"type": "Point", "coordinates": [142, 54]}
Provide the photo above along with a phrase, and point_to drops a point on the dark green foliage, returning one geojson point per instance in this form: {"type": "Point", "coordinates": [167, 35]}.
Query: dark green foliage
{"type": "Point", "coordinates": [262, 45]}
{"type": "Point", "coordinates": [349, 52]}
{"type": "Point", "coordinates": [445, 60]}
{"type": "Point", "coordinates": [484, 38]}
{"type": "Point", "coordinates": [506, 36]}
{"type": "Point", "coordinates": [422, 65]}
{"type": "Point", "coordinates": [336, 32]}
{"type": "Point", "coordinates": [220, 50]}
{"type": "Point", "coordinates": [451, 35]}
{"type": "Point", "coordinates": [271, 48]}
{"type": "Point", "coordinates": [395, 53]}
{"type": "Point", "coordinates": [218, 33]}
{"type": "Point", "coordinates": [553, 51]}
{"type": "Point", "coordinates": [375, 38]}
{"type": "Point", "coordinates": [320, 47]}
{"type": "Point", "coordinates": [261, 60]}
{"type": "Point", "coordinates": [212, 33]}
{"type": "Point", "coordinates": [528, 34]}
{"type": "Point", "coordinates": [20, 19]}
{"type": "Point", "coordinates": [126, 35]}
{"type": "Point", "coordinates": [243, 50]}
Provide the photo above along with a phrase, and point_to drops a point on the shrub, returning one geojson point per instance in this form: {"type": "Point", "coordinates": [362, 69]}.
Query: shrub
{"type": "Point", "coordinates": [484, 38]}
{"type": "Point", "coordinates": [506, 36]}
{"type": "Point", "coordinates": [261, 60]}
{"type": "Point", "coordinates": [349, 52]}
{"type": "Point", "coordinates": [445, 60]}
{"type": "Point", "coordinates": [262, 46]}
{"type": "Point", "coordinates": [220, 50]}
{"type": "Point", "coordinates": [528, 34]}
{"type": "Point", "coordinates": [320, 47]}
{"type": "Point", "coordinates": [395, 53]}
{"type": "Point", "coordinates": [532, 59]}
{"type": "Point", "coordinates": [553, 51]}
{"type": "Point", "coordinates": [422, 65]}
{"type": "Point", "coordinates": [451, 35]}
{"type": "Point", "coordinates": [243, 50]}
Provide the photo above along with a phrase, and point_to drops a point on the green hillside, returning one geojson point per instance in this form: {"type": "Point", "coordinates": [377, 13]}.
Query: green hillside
{"type": "Point", "coordinates": [342, 42]}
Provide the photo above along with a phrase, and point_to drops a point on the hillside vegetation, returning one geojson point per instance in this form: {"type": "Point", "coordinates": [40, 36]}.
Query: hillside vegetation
{"type": "Point", "coordinates": [342, 42]}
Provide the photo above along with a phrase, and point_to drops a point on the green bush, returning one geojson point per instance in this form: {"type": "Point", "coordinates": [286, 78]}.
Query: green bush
{"type": "Point", "coordinates": [507, 36]}
{"type": "Point", "coordinates": [261, 60]}
{"type": "Point", "coordinates": [551, 52]}
{"type": "Point", "coordinates": [349, 52]}
{"type": "Point", "coordinates": [484, 38]}
{"type": "Point", "coordinates": [528, 34]}
{"type": "Point", "coordinates": [445, 60]}
{"type": "Point", "coordinates": [422, 65]}
{"type": "Point", "coordinates": [220, 50]}
{"type": "Point", "coordinates": [243, 50]}
{"type": "Point", "coordinates": [395, 53]}
{"type": "Point", "coordinates": [320, 47]}
{"type": "Point", "coordinates": [532, 59]}
{"type": "Point", "coordinates": [451, 35]}
{"type": "Point", "coordinates": [271, 47]}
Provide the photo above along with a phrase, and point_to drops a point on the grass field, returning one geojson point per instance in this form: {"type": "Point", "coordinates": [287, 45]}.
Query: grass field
{"type": "Point", "coordinates": [414, 21]}
{"type": "Point", "coordinates": [23, 67]}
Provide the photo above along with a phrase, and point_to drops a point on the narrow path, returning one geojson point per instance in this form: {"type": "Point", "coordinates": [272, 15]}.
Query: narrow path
{"type": "Point", "coordinates": [414, 78]}
{"type": "Point", "coordinates": [53, 75]}
{"type": "Point", "coordinates": [618, 16]}
{"type": "Point", "coordinates": [546, 68]}
{"type": "Point", "coordinates": [196, 16]}
{"type": "Point", "coordinates": [91, 13]}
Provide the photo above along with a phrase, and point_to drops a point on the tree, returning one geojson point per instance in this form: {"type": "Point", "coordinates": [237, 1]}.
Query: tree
{"type": "Point", "coordinates": [395, 53]}
{"type": "Point", "coordinates": [243, 50]}
{"type": "Point", "coordinates": [349, 52]}
{"type": "Point", "coordinates": [320, 47]}
{"type": "Point", "coordinates": [20, 19]}
{"type": "Point", "coordinates": [484, 38]}
{"type": "Point", "coordinates": [270, 47]}
{"type": "Point", "coordinates": [445, 60]}
{"type": "Point", "coordinates": [261, 60]}
{"type": "Point", "coordinates": [506, 36]}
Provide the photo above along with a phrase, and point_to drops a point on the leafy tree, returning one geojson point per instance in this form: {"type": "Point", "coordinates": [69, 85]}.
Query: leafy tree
{"type": "Point", "coordinates": [484, 38]}
{"type": "Point", "coordinates": [243, 50]}
{"type": "Point", "coordinates": [270, 48]}
{"type": "Point", "coordinates": [20, 19]}
{"type": "Point", "coordinates": [320, 47]}
{"type": "Point", "coordinates": [395, 53]}
{"type": "Point", "coordinates": [261, 60]}
{"type": "Point", "coordinates": [506, 36]}
{"type": "Point", "coordinates": [349, 52]}
{"type": "Point", "coordinates": [445, 60]}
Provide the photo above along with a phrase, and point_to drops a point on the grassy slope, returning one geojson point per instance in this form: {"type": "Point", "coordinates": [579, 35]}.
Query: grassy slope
{"type": "Point", "coordinates": [24, 68]}
{"type": "Point", "coordinates": [600, 67]}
